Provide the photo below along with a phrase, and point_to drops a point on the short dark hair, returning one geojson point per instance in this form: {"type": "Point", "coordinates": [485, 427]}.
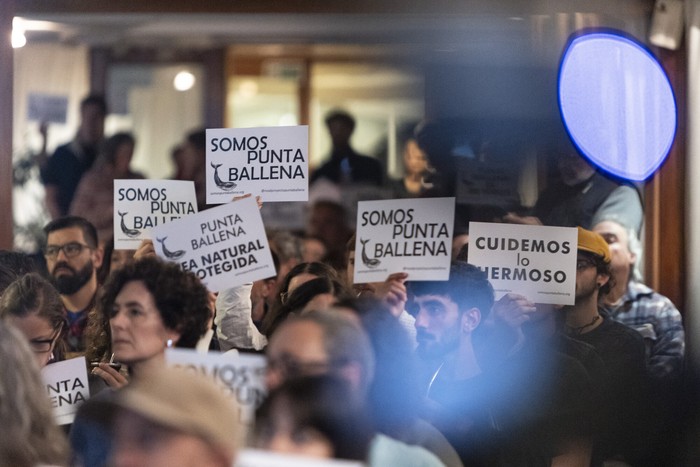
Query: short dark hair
{"type": "Point", "coordinates": [340, 116]}
{"type": "Point", "coordinates": [66, 222]}
{"type": "Point", "coordinates": [180, 297]}
{"type": "Point", "coordinates": [468, 286]}
{"type": "Point", "coordinates": [198, 139]}
{"type": "Point", "coordinates": [19, 263]}
{"type": "Point", "coordinates": [97, 100]}
{"type": "Point", "coordinates": [112, 144]}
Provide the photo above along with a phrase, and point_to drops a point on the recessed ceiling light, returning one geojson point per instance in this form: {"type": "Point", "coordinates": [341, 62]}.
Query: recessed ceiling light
{"type": "Point", "coordinates": [184, 81]}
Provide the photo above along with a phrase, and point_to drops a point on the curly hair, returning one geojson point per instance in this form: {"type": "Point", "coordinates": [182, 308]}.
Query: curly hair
{"type": "Point", "coordinates": [180, 297]}
{"type": "Point", "coordinates": [29, 435]}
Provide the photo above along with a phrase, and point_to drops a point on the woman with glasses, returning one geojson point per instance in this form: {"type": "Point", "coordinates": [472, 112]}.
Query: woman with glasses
{"type": "Point", "coordinates": [29, 436]}
{"type": "Point", "coordinates": [34, 306]}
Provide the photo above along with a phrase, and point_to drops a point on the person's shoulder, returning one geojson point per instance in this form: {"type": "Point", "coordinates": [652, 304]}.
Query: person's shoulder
{"type": "Point", "coordinates": [385, 451]}
{"type": "Point", "coordinates": [624, 334]}
{"type": "Point", "coordinates": [64, 150]}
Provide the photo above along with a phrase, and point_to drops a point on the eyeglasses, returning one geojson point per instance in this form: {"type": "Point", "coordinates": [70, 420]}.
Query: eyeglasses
{"type": "Point", "coordinates": [290, 367]}
{"type": "Point", "coordinates": [71, 250]}
{"type": "Point", "coordinates": [284, 296]}
{"type": "Point", "coordinates": [45, 345]}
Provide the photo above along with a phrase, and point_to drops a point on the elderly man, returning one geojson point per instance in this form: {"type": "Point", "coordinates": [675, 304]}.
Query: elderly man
{"type": "Point", "coordinates": [332, 342]}
{"type": "Point", "coordinates": [636, 305]}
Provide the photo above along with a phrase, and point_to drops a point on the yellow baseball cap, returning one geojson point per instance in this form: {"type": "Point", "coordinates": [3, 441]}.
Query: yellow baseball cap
{"type": "Point", "coordinates": [594, 243]}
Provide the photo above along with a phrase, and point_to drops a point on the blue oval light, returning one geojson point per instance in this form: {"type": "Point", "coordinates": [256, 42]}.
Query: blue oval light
{"type": "Point", "coordinates": [617, 104]}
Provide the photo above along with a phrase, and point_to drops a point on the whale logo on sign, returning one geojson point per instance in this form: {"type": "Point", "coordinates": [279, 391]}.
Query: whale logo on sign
{"type": "Point", "coordinates": [226, 186]}
{"type": "Point", "coordinates": [131, 233]}
{"type": "Point", "coordinates": [174, 255]}
{"type": "Point", "coordinates": [617, 103]}
{"type": "Point", "coordinates": [369, 262]}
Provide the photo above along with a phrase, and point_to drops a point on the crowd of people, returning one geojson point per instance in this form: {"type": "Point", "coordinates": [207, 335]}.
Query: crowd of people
{"type": "Point", "coordinates": [390, 373]}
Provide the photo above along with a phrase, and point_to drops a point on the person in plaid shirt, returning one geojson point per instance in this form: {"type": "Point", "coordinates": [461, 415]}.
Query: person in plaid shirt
{"type": "Point", "coordinates": [637, 306]}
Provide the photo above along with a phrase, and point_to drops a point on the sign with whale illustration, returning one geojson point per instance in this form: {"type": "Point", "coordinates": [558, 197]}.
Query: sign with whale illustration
{"type": "Point", "coordinates": [140, 205]}
{"type": "Point", "coordinates": [272, 162]}
{"type": "Point", "coordinates": [224, 246]}
{"type": "Point", "coordinates": [404, 235]}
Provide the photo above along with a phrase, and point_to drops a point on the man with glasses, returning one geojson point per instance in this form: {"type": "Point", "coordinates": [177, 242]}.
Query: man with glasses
{"type": "Point", "coordinates": [334, 343]}
{"type": "Point", "coordinates": [621, 348]}
{"type": "Point", "coordinates": [73, 258]}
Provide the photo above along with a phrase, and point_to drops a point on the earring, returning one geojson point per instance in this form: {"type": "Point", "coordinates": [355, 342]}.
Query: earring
{"type": "Point", "coordinates": [169, 343]}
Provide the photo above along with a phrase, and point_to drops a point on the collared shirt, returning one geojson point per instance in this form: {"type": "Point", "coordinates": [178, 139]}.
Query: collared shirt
{"type": "Point", "coordinates": [659, 322]}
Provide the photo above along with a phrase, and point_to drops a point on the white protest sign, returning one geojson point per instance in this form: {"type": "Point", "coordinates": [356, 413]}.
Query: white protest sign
{"type": "Point", "coordinates": [140, 205]}
{"type": "Point", "coordinates": [272, 162]}
{"type": "Point", "coordinates": [67, 388]}
{"type": "Point", "coordinates": [404, 235]}
{"type": "Point", "coordinates": [257, 458]}
{"type": "Point", "coordinates": [47, 108]}
{"type": "Point", "coordinates": [242, 375]}
{"type": "Point", "coordinates": [225, 246]}
{"type": "Point", "coordinates": [535, 261]}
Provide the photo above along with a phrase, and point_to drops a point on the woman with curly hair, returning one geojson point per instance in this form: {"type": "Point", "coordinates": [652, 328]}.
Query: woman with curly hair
{"type": "Point", "coordinates": [150, 305]}
{"type": "Point", "coordinates": [29, 435]}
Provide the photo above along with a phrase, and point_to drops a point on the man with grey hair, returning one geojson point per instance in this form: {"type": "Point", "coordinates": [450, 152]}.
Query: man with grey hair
{"type": "Point", "coordinates": [321, 343]}
{"type": "Point", "coordinates": [637, 306]}
{"type": "Point", "coordinates": [333, 342]}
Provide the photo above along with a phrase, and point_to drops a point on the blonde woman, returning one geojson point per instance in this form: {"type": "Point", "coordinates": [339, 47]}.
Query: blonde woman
{"type": "Point", "coordinates": [29, 434]}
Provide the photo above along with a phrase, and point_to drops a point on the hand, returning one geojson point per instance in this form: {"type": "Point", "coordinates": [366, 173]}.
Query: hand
{"type": "Point", "coordinates": [145, 250]}
{"type": "Point", "coordinates": [258, 199]}
{"type": "Point", "coordinates": [513, 218]}
{"type": "Point", "coordinates": [393, 292]}
{"type": "Point", "coordinates": [513, 310]}
{"type": "Point", "coordinates": [212, 309]}
{"type": "Point", "coordinates": [112, 377]}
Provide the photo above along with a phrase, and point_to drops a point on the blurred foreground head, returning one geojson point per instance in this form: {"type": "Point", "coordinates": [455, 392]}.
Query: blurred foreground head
{"type": "Point", "coordinates": [171, 417]}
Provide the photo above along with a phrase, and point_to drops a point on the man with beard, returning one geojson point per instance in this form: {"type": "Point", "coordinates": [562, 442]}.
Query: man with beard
{"type": "Point", "coordinates": [73, 258]}
{"type": "Point", "coordinates": [498, 399]}
{"type": "Point", "coordinates": [621, 348]}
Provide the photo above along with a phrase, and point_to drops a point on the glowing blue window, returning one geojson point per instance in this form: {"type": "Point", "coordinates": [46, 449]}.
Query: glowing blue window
{"type": "Point", "coordinates": [617, 104]}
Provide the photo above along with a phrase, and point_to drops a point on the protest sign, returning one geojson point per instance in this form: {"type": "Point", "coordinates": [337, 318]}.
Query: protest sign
{"type": "Point", "coordinates": [257, 458]}
{"type": "Point", "coordinates": [242, 375]}
{"type": "Point", "coordinates": [67, 388]}
{"type": "Point", "coordinates": [535, 261]}
{"type": "Point", "coordinates": [272, 162]}
{"type": "Point", "coordinates": [225, 246]}
{"type": "Point", "coordinates": [47, 108]}
{"type": "Point", "coordinates": [140, 205]}
{"type": "Point", "coordinates": [404, 235]}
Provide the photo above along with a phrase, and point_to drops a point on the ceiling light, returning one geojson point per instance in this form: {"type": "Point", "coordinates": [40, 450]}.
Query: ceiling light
{"type": "Point", "coordinates": [18, 37]}
{"type": "Point", "coordinates": [184, 81]}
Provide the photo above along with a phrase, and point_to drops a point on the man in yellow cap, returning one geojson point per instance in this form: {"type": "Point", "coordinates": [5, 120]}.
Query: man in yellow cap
{"type": "Point", "coordinates": [620, 347]}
